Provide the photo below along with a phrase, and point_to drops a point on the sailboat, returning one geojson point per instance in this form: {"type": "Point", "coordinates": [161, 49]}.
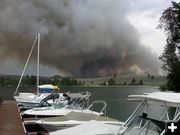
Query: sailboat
{"type": "Point", "coordinates": [33, 99]}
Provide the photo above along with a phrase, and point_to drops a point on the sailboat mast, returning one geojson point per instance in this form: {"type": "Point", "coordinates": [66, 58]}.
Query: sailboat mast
{"type": "Point", "coordinates": [25, 66]}
{"type": "Point", "coordinates": [38, 63]}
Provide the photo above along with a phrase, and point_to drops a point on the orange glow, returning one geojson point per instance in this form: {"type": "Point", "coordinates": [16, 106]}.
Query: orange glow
{"type": "Point", "coordinates": [136, 69]}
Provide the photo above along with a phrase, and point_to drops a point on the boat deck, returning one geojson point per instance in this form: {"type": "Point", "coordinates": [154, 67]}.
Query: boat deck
{"type": "Point", "coordinates": [10, 120]}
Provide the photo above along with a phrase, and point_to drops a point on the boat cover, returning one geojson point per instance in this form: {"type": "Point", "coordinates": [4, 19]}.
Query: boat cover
{"type": "Point", "coordinates": [90, 128]}
{"type": "Point", "coordinates": [47, 87]}
{"type": "Point", "coordinates": [169, 99]}
{"type": "Point", "coordinates": [52, 96]}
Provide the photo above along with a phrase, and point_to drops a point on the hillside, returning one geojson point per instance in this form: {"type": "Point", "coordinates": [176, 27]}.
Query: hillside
{"type": "Point", "coordinates": [125, 80]}
{"type": "Point", "coordinates": [59, 80]}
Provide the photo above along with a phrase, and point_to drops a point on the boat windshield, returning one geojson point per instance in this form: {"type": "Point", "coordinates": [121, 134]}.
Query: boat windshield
{"type": "Point", "coordinates": [59, 106]}
{"type": "Point", "coordinates": [149, 119]}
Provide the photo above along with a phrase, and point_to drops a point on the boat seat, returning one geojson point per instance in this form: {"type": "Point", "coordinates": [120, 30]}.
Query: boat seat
{"type": "Point", "coordinates": [158, 123]}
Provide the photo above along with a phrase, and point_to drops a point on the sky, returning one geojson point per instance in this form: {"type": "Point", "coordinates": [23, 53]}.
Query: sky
{"type": "Point", "coordinates": [144, 16]}
{"type": "Point", "coordinates": [140, 16]}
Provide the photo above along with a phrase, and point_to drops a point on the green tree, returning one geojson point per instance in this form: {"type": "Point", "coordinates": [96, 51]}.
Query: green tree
{"type": "Point", "coordinates": [69, 81]}
{"type": "Point", "coordinates": [170, 22]}
{"type": "Point", "coordinates": [152, 77]}
{"type": "Point", "coordinates": [111, 81]}
{"type": "Point", "coordinates": [133, 81]}
{"type": "Point", "coordinates": [140, 82]}
{"type": "Point", "coordinates": [26, 80]}
{"type": "Point", "coordinates": [79, 82]}
{"type": "Point", "coordinates": [2, 81]}
{"type": "Point", "coordinates": [32, 80]}
{"type": "Point", "coordinates": [125, 83]}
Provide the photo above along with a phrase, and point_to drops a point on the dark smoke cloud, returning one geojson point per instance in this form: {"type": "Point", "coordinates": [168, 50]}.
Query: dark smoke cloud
{"type": "Point", "coordinates": [79, 37]}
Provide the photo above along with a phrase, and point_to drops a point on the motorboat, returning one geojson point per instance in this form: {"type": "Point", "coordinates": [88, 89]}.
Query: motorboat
{"type": "Point", "coordinates": [147, 119]}
{"type": "Point", "coordinates": [150, 115]}
{"type": "Point", "coordinates": [92, 127]}
{"type": "Point", "coordinates": [75, 118]}
{"type": "Point", "coordinates": [73, 102]}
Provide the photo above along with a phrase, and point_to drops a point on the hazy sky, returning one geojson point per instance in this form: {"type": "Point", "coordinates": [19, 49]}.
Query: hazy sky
{"type": "Point", "coordinates": [144, 16]}
{"type": "Point", "coordinates": [140, 16]}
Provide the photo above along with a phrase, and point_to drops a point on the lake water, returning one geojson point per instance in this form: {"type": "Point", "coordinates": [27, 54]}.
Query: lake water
{"type": "Point", "coordinates": [116, 97]}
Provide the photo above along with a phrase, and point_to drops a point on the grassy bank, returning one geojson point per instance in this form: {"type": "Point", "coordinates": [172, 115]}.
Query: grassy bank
{"type": "Point", "coordinates": [148, 80]}
{"type": "Point", "coordinates": [124, 80]}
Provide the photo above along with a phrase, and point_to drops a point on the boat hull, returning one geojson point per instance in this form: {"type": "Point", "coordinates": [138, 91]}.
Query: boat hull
{"type": "Point", "coordinates": [50, 112]}
{"type": "Point", "coordinates": [54, 126]}
{"type": "Point", "coordinates": [51, 128]}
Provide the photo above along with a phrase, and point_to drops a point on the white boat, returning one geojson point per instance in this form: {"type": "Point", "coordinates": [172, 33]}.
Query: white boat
{"type": "Point", "coordinates": [92, 127]}
{"type": "Point", "coordinates": [147, 123]}
{"type": "Point", "coordinates": [29, 97]}
{"type": "Point", "coordinates": [76, 118]}
{"type": "Point", "coordinates": [29, 100]}
{"type": "Point", "coordinates": [150, 122]}
{"type": "Point", "coordinates": [73, 119]}
{"type": "Point", "coordinates": [74, 102]}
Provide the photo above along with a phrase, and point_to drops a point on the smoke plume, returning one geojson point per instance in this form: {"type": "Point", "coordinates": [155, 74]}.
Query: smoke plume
{"type": "Point", "coordinates": [79, 37]}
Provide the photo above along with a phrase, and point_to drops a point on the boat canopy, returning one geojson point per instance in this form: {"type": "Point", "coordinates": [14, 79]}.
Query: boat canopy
{"type": "Point", "coordinates": [169, 99]}
{"type": "Point", "coordinates": [52, 96]}
{"type": "Point", "coordinates": [90, 128]}
{"type": "Point", "coordinates": [47, 87]}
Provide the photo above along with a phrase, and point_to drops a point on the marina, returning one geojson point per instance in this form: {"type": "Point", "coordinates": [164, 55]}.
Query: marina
{"type": "Point", "coordinates": [114, 110]}
{"type": "Point", "coordinates": [88, 67]}
{"type": "Point", "coordinates": [75, 122]}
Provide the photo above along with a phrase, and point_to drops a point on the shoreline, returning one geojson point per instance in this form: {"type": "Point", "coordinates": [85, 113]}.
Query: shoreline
{"type": "Point", "coordinates": [100, 86]}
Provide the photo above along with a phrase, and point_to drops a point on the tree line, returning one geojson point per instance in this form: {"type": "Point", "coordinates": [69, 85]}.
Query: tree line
{"type": "Point", "coordinates": [112, 81]}
{"type": "Point", "coordinates": [32, 80]}
{"type": "Point", "coordinates": [170, 23]}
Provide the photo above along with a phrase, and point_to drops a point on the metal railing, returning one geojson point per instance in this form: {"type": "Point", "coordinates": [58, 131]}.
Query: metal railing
{"type": "Point", "coordinates": [133, 115]}
{"type": "Point", "coordinates": [103, 108]}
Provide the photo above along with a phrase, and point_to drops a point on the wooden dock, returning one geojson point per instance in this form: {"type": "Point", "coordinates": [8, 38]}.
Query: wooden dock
{"type": "Point", "coordinates": [10, 120]}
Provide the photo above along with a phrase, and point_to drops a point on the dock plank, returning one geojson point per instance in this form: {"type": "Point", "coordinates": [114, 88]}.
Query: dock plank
{"type": "Point", "coordinates": [10, 121]}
